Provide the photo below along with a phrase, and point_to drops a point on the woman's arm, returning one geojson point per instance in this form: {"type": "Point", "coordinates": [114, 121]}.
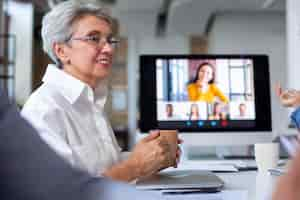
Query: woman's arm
{"type": "Point", "coordinates": [125, 171]}
{"type": "Point", "coordinates": [220, 94]}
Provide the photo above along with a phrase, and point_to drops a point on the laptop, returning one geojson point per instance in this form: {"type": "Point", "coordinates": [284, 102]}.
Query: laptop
{"type": "Point", "coordinates": [182, 179]}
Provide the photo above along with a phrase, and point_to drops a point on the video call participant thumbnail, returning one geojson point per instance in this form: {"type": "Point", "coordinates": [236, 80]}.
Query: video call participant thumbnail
{"type": "Point", "coordinates": [203, 87]}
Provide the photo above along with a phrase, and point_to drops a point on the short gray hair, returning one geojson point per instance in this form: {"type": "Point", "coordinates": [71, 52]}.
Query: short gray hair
{"type": "Point", "coordinates": [57, 24]}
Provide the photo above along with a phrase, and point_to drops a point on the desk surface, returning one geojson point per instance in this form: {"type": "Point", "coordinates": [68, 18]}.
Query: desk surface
{"type": "Point", "coordinates": [258, 185]}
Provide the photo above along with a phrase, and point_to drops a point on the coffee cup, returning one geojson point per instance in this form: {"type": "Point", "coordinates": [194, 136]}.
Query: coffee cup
{"type": "Point", "coordinates": [171, 136]}
{"type": "Point", "coordinates": [266, 156]}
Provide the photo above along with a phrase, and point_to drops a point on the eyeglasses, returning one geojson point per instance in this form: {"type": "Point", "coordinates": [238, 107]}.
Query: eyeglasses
{"type": "Point", "coordinates": [97, 40]}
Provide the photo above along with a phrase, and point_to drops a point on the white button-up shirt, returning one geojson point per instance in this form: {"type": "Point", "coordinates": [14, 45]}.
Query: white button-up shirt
{"type": "Point", "coordinates": [69, 116]}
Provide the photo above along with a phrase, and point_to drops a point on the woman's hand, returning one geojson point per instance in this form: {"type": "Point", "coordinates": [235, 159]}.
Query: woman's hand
{"type": "Point", "coordinates": [288, 98]}
{"type": "Point", "coordinates": [150, 155]}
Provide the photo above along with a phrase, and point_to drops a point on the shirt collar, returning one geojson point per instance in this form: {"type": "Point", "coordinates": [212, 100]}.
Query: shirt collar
{"type": "Point", "coordinates": [72, 88]}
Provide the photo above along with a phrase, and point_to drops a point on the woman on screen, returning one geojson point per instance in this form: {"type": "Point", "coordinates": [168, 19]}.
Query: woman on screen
{"type": "Point", "coordinates": [203, 88]}
{"type": "Point", "coordinates": [194, 112]}
{"type": "Point", "coordinates": [218, 112]}
{"type": "Point", "coordinates": [169, 113]}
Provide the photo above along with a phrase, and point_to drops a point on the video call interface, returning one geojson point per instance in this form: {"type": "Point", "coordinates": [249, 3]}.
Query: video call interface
{"type": "Point", "coordinates": [216, 92]}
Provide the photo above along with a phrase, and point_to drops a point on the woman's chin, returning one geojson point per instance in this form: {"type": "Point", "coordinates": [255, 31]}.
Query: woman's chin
{"type": "Point", "coordinates": [203, 81]}
{"type": "Point", "coordinates": [102, 74]}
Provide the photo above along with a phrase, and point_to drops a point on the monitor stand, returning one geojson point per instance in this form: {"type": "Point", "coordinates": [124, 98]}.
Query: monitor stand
{"type": "Point", "coordinates": [217, 158]}
{"type": "Point", "coordinates": [217, 152]}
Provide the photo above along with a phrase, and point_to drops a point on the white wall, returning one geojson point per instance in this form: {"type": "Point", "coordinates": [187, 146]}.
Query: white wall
{"type": "Point", "coordinates": [257, 33]}
{"type": "Point", "coordinates": [21, 25]}
{"type": "Point", "coordinates": [293, 42]}
{"type": "Point", "coordinates": [1, 17]}
{"type": "Point", "coordinates": [1, 25]}
{"type": "Point", "coordinates": [176, 44]}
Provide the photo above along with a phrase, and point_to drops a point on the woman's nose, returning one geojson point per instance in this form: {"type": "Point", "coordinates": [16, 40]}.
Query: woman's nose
{"type": "Point", "coordinates": [107, 47]}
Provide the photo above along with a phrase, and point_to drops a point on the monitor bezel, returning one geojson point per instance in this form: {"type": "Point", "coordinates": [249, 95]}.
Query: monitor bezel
{"type": "Point", "coordinates": [148, 103]}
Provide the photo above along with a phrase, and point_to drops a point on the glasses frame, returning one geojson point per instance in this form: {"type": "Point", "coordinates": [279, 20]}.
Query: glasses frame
{"type": "Point", "coordinates": [98, 40]}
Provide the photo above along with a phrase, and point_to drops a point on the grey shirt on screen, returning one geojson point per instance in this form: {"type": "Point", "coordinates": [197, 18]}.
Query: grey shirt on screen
{"type": "Point", "coordinates": [30, 170]}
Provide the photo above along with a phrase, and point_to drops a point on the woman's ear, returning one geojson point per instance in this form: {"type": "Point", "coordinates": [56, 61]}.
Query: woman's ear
{"type": "Point", "coordinates": [61, 52]}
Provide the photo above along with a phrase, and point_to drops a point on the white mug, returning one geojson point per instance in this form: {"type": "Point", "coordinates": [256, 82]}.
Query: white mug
{"type": "Point", "coordinates": [266, 156]}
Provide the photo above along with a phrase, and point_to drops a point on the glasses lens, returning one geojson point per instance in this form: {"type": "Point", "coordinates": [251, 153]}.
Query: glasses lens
{"type": "Point", "coordinates": [113, 41]}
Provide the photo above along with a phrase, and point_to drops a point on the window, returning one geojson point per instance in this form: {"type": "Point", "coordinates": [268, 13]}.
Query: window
{"type": "Point", "coordinates": [240, 71]}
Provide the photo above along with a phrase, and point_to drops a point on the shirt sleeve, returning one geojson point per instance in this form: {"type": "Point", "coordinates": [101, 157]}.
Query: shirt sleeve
{"type": "Point", "coordinates": [295, 118]}
{"type": "Point", "coordinates": [220, 94]}
{"type": "Point", "coordinates": [50, 126]}
{"type": "Point", "coordinates": [192, 92]}
{"type": "Point", "coordinates": [115, 143]}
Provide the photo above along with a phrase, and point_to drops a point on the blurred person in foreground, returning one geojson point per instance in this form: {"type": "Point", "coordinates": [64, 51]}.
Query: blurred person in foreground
{"type": "Point", "coordinates": [31, 170]}
{"type": "Point", "coordinates": [288, 185]}
{"type": "Point", "coordinates": [68, 108]}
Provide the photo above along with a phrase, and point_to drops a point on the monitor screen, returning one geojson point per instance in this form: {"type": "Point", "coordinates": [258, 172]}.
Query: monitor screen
{"type": "Point", "coordinates": [203, 93]}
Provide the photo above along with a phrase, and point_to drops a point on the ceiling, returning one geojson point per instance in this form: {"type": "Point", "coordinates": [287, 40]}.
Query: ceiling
{"type": "Point", "coordinates": [201, 14]}
{"type": "Point", "coordinates": [191, 17]}
{"type": "Point", "coordinates": [152, 17]}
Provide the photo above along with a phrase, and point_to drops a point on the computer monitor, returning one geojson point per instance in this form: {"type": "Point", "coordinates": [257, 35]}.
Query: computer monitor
{"type": "Point", "coordinates": [210, 99]}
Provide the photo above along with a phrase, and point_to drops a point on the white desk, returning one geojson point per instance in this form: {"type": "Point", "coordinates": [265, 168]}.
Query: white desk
{"type": "Point", "coordinates": [246, 185]}
{"type": "Point", "coordinates": [259, 186]}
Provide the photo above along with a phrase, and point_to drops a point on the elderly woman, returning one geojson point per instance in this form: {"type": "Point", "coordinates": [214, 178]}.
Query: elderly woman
{"type": "Point", "coordinates": [67, 109]}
